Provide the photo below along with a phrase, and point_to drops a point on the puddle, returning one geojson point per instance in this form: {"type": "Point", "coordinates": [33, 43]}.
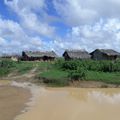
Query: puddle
{"type": "Point", "coordinates": [75, 104]}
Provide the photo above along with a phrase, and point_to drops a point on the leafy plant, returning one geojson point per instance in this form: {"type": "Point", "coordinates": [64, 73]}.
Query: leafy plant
{"type": "Point", "coordinates": [78, 74]}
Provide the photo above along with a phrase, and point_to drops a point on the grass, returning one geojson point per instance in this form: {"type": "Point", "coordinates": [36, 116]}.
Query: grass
{"type": "Point", "coordinates": [60, 78]}
{"type": "Point", "coordinates": [54, 74]}
{"type": "Point", "coordinates": [44, 66]}
{"type": "Point", "coordinates": [8, 66]}
{"type": "Point", "coordinates": [23, 67]}
{"type": "Point", "coordinates": [112, 78]}
{"type": "Point", "coordinates": [4, 72]}
{"type": "Point", "coordinates": [5, 67]}
{"type": "Point", "coordinates": [55, 77]}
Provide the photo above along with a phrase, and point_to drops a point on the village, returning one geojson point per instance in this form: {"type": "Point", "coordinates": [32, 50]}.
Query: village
{"type": "Point", "coordinates": [101, 65]}
{"type": "Point", "coordinates": [52, 79]}
{"type": "Point", "coordinates": [98, 54]}
{"type": "Point", "coordinates": [59, 59]}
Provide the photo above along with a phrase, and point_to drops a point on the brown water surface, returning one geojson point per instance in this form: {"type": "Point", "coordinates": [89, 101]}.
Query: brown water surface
{"type": "Point", "coordinates": [75, 104]}
{"type": "Point", "coordinates": [12, 100]}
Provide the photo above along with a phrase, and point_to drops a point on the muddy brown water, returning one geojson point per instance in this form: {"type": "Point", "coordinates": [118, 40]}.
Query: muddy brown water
{"type": "Point", "coordinates": [75, 104]}
{"type": "Point", "coordinates": [12, 100]}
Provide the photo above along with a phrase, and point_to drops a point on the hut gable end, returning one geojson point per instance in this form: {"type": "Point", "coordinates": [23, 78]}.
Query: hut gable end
{"type": "Point", "coordinates": [105, 54]}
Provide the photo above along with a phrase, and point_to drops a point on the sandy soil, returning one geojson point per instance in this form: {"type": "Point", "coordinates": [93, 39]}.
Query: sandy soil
{"type": "Point", "coordinates": [75, 104]}
{"type": "Point", "coordinates": [12, 100]}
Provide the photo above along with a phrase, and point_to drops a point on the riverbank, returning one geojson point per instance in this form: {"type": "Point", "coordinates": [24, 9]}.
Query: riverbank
{"type": "Point", "coordinates": [62, 73]}
{"type": "Point", "coordinates": [12, 100]}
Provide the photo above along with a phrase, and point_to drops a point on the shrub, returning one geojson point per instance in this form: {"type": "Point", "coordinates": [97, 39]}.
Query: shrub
{"type": "Point", "coordinates": [78, 74]}
{"type": "Point", "coordinates": [91, 65]}
{"type": "Point", "coordinates": [5, 67]}
{"type": "Point", "coordinates": [59, 63]}
{"type": "Point", "coordinates": [54, 77]}
{"type": "Point", "coordinates": [69, 65]}
{"type": "Point", "coordinates": [7, 64]}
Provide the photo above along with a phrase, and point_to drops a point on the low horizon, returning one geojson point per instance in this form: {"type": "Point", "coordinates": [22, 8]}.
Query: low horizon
{"type": "Point", "coordinates": [59, 55]}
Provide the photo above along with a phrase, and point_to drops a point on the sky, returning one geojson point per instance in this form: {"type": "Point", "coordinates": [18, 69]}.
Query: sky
{"type": "Point", "coordinates": [45, 25]}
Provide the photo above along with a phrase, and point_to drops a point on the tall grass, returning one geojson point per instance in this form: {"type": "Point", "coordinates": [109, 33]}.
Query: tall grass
{"type": "Point", "coordinates": [54, 77]}
{"type": "Point", "coordinates": [8, 66]}
{"type": "Point", "coordinates": [91, 65]}
{"type": "Point", "coordinates": [112, 78]}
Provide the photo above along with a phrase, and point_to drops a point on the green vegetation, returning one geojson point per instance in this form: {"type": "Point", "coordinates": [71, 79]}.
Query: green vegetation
{"type": "Point", "coordinates": [91, 65]}
{"type": "Point", "coordinates": [8, 66]}
{"type": "Point", "coordinates": [61, 73]}
{"type": "Point", "coordinates": [5, 67]}
{"type": "Point", "coordinates": [44, 66]}
{"type": "Point", "coordinates": [23, 67]}
{"type": "Point", "coordinates": [112, 78]}
{"type": "Point", "coordinates": [79, 74]}
{"type": "Point", "coordinates": [90, 70]}
{"type": "Point", "coordinates": [54, 77]}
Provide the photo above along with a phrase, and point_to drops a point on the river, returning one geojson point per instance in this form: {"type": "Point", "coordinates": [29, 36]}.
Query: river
{"type": "Point", "coordinates": [12, 100]}
{"type": "Point", "coordinates": [75, 104]}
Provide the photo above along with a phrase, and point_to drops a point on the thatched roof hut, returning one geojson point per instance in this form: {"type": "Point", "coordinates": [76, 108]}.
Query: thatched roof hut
{"type": "Point", "coordinates": [76, 54]}
{"type": "Point", "coordinates": [105, 54]}
{"type": "Point", "coordinates": [38, 55]}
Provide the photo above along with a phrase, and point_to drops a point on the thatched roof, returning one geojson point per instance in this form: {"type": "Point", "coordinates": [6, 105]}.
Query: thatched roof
{"type": "Point", "coordinates": [40, 54]}
{"type": "Point", "coordinates": [77, 54]}
{"type": "Point", "coordinates": [108, 52]}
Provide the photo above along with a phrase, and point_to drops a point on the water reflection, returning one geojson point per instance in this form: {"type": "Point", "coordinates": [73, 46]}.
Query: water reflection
{"type": "Point", "coordinates": [102, 97]}
{"type": "Point", "coordinates": [76, 104]}
{"type": "Point", "coordinates": [110, 95]}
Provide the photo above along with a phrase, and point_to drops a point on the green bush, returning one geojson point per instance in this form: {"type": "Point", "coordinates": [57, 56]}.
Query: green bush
{"type": "Point", "coordinates": [4, 72]}
{"type": "Point", "coordinates": [111, 78]}
{"type": "Point", "coordinates": [59, 63]}
{"type": "Point", "coordinates": [23, 67]}
{"type": "Point", "coordinates": [7, 63]}
{"type": "Point", "coordinates": [70, 65]}
{"type": "Point", "coordinates": [54, 77]}
{"type": "Point", "coordinates": [91, 65]}
{"type": "Point", "coordinates": [6, 66]}
{"type": "Point", "coordinates": [79, 74]}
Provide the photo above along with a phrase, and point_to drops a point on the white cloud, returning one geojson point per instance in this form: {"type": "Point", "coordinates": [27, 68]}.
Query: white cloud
{"type": "Point", "coordinates": [2, 42]}
{"type": "Point", "coordinates": [31, 4]}
{"type": "Point", "coordinates": [29, 19]}
{"type": "Point", "coordinates": [25, 34]}
{"type": "Point", "coordinates": [78, 12]}
{"type": "Point", "coordinates": [36, 42]}
{"type": "Point", "coordinates": [28, 4]}
{"type": "Point", "coordinates": [101, 35]}
{"type": "Point", "coordinates": [15, 39]}
{"type": "Point", "coordinates": [93, 24]}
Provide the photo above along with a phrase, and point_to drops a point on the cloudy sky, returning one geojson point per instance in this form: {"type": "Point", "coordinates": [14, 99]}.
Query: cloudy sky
{"type": "Point", "coordinates": [59, 25]}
